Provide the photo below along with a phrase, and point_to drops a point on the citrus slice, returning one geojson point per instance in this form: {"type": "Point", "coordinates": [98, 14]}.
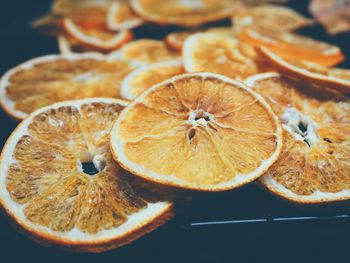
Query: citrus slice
{"type": "Point", "coordinates": [183, 12]}
{"type": "Point", "coordinates": [199, 131]}
{"type": "Point", "coordinates": [146, 76]}
{"type": "Point", "coordinates": [315, 161]}
{"type": "Point", "coordinates": [176, 39]}
{"type": "Point", "coordinates": [330, 78]}
{"type": "Point", "coordinates": [53, 78]}
{"type": "Point", "coordinates": [220, 54]}
{"type": "Point", "coordinates": [68, 45]}
{"type": "Point", "coordinates": [145, 51]}
{"type": "Point", "coordinates": [293, 46]}
{"type": "Point", "coordinates": [96, 37]}
{"type": "Point", "coordinates": [60, 185]}
{"type": "Point", "coordinates": [121, 17]}
{"type": "Point", "coordinates": [277, 18]}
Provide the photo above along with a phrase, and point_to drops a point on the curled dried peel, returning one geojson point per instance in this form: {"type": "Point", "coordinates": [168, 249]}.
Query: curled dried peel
{"type": "Point", "coordinates": [59, 182]}
{"type": "Point", "coordinates": [315, 161]}
{"type": "Point", "coordinates": [190, 132]}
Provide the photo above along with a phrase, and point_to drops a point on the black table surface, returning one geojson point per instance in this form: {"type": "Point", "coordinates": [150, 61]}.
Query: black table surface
{"type": "Point", "coordinates": [244, 225]}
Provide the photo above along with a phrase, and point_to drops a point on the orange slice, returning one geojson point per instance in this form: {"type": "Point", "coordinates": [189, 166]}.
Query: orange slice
{"type": "Point", "coordinates": [183, 12]}
{"type": "Point", "coordinates": [96, 37]}
{"type": "Point", "coordinates": [68, 45]}
{"type": "Point", "coordinates": [330, 78]}
{"type": "Point", "coordinates": [199, 131]}
{"type": "Point", "coordinates": [277, 18]}
{"type": "Point", "coordinates": [61, 187]}
{"type": "Point", "coordinates": [293, 46]}
{"type": "Point", "coordinates": [146, 76]}
{"type": "Point", "coordinates": [49, 79]}
{"type": "Point", "coordinates": [145, 51]}
{"type": "Point", "coordinates": [315, 162]}
{"type": "Point", "coordinates": [220, 54]}
{"type": "Point", "coordinates": [121, 17]}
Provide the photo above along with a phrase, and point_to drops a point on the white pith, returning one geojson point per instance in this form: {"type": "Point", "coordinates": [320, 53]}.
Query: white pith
{"type": "Point", "coordinates": [64, 46]}
{"type": "Point", "coordinates": [126, 90]}
{"type": "Point", "coordinates": [118, 145]}
{"type": "Point", "coordinates": [15, 210]}
{"type": "Point", "coordinates": [94, 41]}
{"type": "Point", "coordinates": [279, 189]}
{"type": "Point", "coordinates": [113, 25]}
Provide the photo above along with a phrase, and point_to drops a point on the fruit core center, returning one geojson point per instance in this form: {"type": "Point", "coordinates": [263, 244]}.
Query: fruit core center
{"type": "Point", "coordinates": [300, 126]}
{"type": "Point", "coordinates": [199, 118]}
{"type": "Point", "coordinates": [93, 167]}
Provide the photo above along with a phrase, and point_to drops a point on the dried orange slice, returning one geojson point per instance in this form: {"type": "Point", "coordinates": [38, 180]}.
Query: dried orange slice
{"type": "Point", "coordinates": [330, 78]}
{"type": "Point", "coordinates": [49, 79]}
{"type": "Point", "coordinates": [60, 185]}
{"type": "Point", "coordinates": [146, 76]}
{"type": "Point", "coordinates": [315, 162]}
{"type": "Point", "coordinates": [183, 12]}
{"type": "Point", "coordinates": [145, 51]}
{"type": "Point", "coordinates": [220, 54]}
{"type": "Point", "coordinates": [68, 45]}
{"type": "Point", "coordinates": [96, 37]}
{"type": "Point", "coordinates": [199, 131]}
{"type": "Point", "coordinates": [293, 46]}
{"type": "Point", "coordinates": [176, 39]}
{"type": "Point", "coordinates": [277, 18]}
{"type": "Point", "coordinates": [121, 17]}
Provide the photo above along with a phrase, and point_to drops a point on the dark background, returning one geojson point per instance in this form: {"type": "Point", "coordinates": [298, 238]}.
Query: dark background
{"type": "Point", "coordinates": [244, 225]}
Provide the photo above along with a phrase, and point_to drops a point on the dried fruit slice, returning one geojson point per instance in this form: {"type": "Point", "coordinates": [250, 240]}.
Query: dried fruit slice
{"type": "Point", "coordinates": [146, 76]}
{"type": "Point", "coordinates": [329, 78]}
{"type": "Point", "coordinates": [145, 51]}
{"type": "Point", "coordinates": [60, 185]}
{"type": "Point", "coordinates": [199, 131]}
{"type": "Point", "coordinates": [176, 39]}
{"type": "Point", "coordinates": [183, 12]}
{"type": "Point", "coordinates": [277, 18]}
{"type": "Point", "coordinates": [68, 45]}
{"type": "Point", "coordinates": [121, 17]}
{"type": "Point", "coordinates": [293, 46]}
{"type": "Point", "coordinates": [49, 79]}
{"type": "Point", "coordinates": [220, 54]}
{"type": "Point", "coordinates": [315, 162]}
{"type": "Point", "coordinates": [98, 38]}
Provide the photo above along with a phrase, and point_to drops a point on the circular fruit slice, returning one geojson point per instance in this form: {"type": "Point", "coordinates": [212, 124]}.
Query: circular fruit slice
{"type": "Point", "coordinates": [183, 12]}
{"type": "Point", "coordinates": [315, 161]}
{"type": "Point", "coordinates": [145, 51]}
{"type": "Point", "coordinates": [60, 185]}
{"type": "Point", "coordinates": [176, 39]}
{"type": "Point", "coordinates": [146, 76]}
{"type": "Point", "coordinates": [220, 54]}
{"type": "Point", "coordinates": [277, 18]}
{"type": "Point", "coordinates": [330, 78]}
{"type": "Point", "coordinates": [121, 17]}
{"type": "Point", "coordinates": [98, 38]}
{"type": "Point", "coordinates": [199, 131]}
{"type": "Point", "coordinates": [293, 46]}
{"type": "Point", "coordinates": [53, 78]}
{"type": "Point", "coordinates": [68, 45]}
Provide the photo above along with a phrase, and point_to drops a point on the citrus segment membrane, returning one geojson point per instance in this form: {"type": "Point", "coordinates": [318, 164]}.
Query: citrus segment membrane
{"type": "Point", "coordinates": [315, 162]}
{"type": "Point", "coordinates": [221, 54]}
{"type": "Point", "coordinates": [60, 184]}
{"type": "Point", "coordinates": [328, 78]}
{"type": "Point", "coordinates": [145, 51]}
{"type": "Point", "coordinates": [146, 76]}
{"type": "Point", "coordinates": [49, 79]}
{"type": "Point", "coordinates": [183, 12]}
{"type": "Point", "coordinates": [199, 131]}
{"type": "Point", "coordinates": [121, 17]}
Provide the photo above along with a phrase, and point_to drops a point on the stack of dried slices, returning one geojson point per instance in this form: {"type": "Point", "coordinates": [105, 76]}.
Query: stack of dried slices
{"type": "Point", "coordinates": [110, 137]}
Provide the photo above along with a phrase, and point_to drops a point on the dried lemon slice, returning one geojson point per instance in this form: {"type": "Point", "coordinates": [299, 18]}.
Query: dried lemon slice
{"type": "Point", "coordinates": [61, 187]}
{"type": "Point", "coordinates": [220, 54]}
{"type": "Point", "coordinates": [121, 17]}
{"type": "Point", "coordinates": [315, 162]}
{"type": "Point", "coordinates": [329, 78]}
{"type": "Point", "coordinates": [53, 78]}
{"type": "Point", "coordinates": [146, 76]}
{"type": "Point", "coordinates": [183, 12]}
{"type": "Point", "coordinates": [145, 51]}
{"type": "Point", "coordinates": [199, 131]}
